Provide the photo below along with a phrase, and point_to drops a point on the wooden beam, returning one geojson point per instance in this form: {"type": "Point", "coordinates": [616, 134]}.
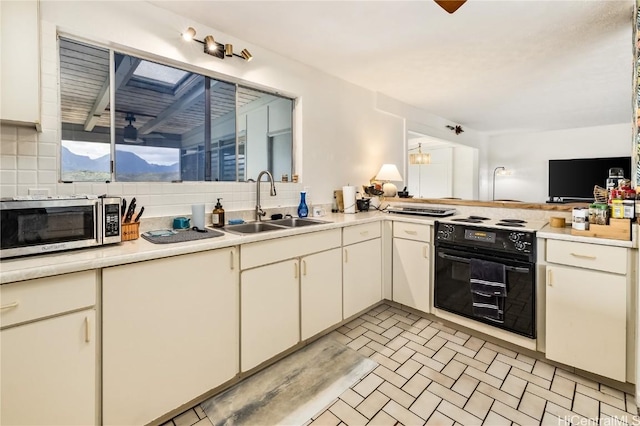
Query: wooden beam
{"type": "Point", "coordinates": [123, 74]}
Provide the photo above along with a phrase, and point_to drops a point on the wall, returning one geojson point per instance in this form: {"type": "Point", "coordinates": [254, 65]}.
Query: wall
{"type": "Point", "coordinates": [527, 155]}
{"type": "Point", "coordinates": [341, 138]}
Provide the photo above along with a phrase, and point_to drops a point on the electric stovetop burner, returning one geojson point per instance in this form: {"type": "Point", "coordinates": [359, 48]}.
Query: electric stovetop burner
{"type": "Point", "coordinates": [470, 219]}
{"type": "Point", "coordinates": [511, 224]}
{"type": "Point", "coordinates": [512, 221]}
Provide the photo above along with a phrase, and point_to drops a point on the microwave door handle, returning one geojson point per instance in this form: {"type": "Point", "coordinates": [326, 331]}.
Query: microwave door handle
{"type": "Point", "coordinates": [466, 260]}
{"type": "Point", "coordinates": [98, 215]}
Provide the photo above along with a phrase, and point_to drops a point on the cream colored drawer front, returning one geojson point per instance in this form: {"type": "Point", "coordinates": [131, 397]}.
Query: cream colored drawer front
{"type": "Point", "coordinates": [412, 231]}
{"type": "Point", "coordinates": [271, 251]}
{"type": "Point", "coordinates": [28, 300]}
{"type": "Point", "coordinates": [357, 233]}
{"type": "Point", "coordinates": [591, 256]}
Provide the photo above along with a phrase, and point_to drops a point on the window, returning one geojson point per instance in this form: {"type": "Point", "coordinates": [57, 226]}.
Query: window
{"type": "Point", "coordinates": [169, 124]}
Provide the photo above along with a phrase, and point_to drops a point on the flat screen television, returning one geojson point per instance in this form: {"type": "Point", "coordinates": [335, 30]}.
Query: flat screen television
{"type": "Point", "coordinates": [574, 179]}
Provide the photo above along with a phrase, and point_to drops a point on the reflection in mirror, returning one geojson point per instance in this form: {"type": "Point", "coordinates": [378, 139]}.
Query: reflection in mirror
{"type": "Point", "coordinates": [452, 172]}
{"type": "Point", "coordinates": [264, 132]}
{"type": "Point", "coordinates": [86, 120]}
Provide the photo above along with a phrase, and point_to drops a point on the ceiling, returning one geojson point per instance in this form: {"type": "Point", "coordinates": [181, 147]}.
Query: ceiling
{"type": "Point", "coordinates": [493, 66]}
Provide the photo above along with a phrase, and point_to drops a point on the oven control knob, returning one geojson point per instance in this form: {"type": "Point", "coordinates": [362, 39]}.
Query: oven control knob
{"type": "Point", "coordinates": [520, 245]}
{"type": "Point", "coordinates": [514, 236]}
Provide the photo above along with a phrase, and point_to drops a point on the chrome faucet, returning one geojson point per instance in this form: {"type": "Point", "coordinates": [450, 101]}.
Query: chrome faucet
{"type": "Point", "coordinates": [259, 212]}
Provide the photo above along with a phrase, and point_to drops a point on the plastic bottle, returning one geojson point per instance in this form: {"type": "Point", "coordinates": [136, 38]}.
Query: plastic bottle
{"type": "Point", "coordinates": [217, 216]}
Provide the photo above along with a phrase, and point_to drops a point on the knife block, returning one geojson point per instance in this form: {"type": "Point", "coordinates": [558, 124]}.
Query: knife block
{"type": "Point", "coordinates": [130, 231]}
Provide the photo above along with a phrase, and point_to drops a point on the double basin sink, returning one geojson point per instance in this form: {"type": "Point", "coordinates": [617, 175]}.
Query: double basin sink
{"type": "Point", "coordinates": [273, 225]}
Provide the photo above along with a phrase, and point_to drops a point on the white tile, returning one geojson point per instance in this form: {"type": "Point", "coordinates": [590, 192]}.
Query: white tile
{"type": "Point", "coordinates": [358, 342]}
{"type": "Point", "coordinates": [436, 376]}
{"type": "Point", "coordinates": [409, 369]}
{"type": "Point", "coordinates": [390, 376]}
{"type": "Point", "coordinates": [368, 385]}
{"type": "Point", "coordinates": [382, 419]}
{"type": "Point", "coordinates": [458, 414]}
{"type": "Point", "coordinates": [403, 415]}
{"type": "Point", "coordinates": [532, 405]}
{"type": "Point", "coordinates": [600, 396]}
{"type": "Point", "coordinates": [387, 362]}
{"type": "Point", "coordinates": [460, 349]}
{"type": "Point", "coordinates": [465, 385]}
{"type": "Point", "coordinates": [454, 369]}
{"type": "Point", "coordinates": [372, 404]}
{"type": "Point", "coordinates": [351, 397]}
{"type": "Point", "coordinates": [444, 355]}
{"type": "Point", "coordinates": [499, 369]}
{"type": "Point", "coordinates": [27, 163]}
{"type": "Point", "coordinates": [396, 394]}
{"type": "Point", "coordinates": [549, 395]}
{"type": "Point", "coordinates": [188, 418]}
{"type": "Point", "coordinates": [447, 394]}
{"type": "Point", "coordinates": [617, 414]}
{"type": "Point", "coordinates": [500, 349]}
{"type": "Point", "coordinates": [515, 363]}
{"type": "Point", "coordinates": [546, 384]}
{"type": "Point", "coordinates": [425, 404]}
{"type": "Point", "coordinates": [498, 395]}
{"type": "Point", "coordinates": [428, 361]}
{"type": "Point", "coordinates": [453, 338]}
{"type": "Point", "coordinates": [514, 386]}
{"type": "Point", "coordinates": [513, 414]}
{"type": "Point", "coordinates": [416, 385]}
{"type": "Point", "coordinates": [494, 419]}
{"type": "Point", "coordinates": [544, 370]}
{"type": "Point", "coordinates": [549, 419]}
{"type": "Point", "coordinates": [563, 386]}
{"type": "Point", "coordinates": [578, 379]}
{"type": "Point", "coordinates": [474, 343]}
{"type": "Point", "coordinates": [327, 418]}
{"type": "Point", "coordinates": [479, 404]}
{"type": "Point", "coordinates": [484, 377]}
{"type": "Point", "coordinates": [348, 414]}
{"type": "Point", "coordinates": [419, 348]}
{"type": "Point", "coordinates": [384, 350]}
{"type": "Point", "coordinates": [610, 391]}
{"type": "Point", "coordinates": [200, 412]}
{"type": "Point", "coordinates": [585, 406]}
{"type": "Point", "coordinates": [439, 419]}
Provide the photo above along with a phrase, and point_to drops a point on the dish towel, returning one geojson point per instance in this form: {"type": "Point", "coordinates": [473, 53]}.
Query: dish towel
{"type": "Point", "coordinates": [488, 286]}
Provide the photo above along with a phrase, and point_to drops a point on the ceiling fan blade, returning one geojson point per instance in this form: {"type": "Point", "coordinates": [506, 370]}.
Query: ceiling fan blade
{"type": "Point", "coordinates": [450, 5]}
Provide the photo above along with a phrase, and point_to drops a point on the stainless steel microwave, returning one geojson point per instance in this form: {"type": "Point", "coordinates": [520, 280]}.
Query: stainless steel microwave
{"type": "Point", "coordinates": [31, 226]}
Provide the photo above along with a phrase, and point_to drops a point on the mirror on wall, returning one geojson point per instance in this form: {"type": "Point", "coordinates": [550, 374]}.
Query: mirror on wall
{"type": "Point", "coordinates": [451, 172]}
{"type": "Point", "coordinates": [169, 124]}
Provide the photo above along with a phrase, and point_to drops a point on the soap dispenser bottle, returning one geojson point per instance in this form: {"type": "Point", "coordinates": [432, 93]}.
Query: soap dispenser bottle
{"type": "Point", "coordinates": [217, 216]}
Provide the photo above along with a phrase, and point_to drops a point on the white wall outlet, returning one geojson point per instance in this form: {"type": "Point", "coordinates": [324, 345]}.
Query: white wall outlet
{"type": "Point", "coordinates": [39, 192]}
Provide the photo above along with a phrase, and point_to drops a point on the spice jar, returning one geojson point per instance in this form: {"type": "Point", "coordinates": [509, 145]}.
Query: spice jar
{"type": "Point", "coordinates": [602, 214]}
{"type": "Point", "coordinates": [617, 209]}
{"type": "Point", "coordinates": [579, 219]}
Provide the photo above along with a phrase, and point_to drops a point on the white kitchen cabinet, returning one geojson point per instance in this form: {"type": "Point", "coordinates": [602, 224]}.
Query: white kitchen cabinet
{"type": "Point", "coordinates": [170, 333]}
{"type": "Point", "coordinates": [586, 320]}
{"type": "Point", "coordinates": [48, 352]}
{"type": "Point", "coordinates": [20, 65]}
{"type": "Point", "coordinates": [48, 371]}
{"type": "Point", "coordinates": [411, 273]}
{"type": "Point", "coordinates": [270, 311]}
{"type": "Point", "coordinates": [320, 292]}
{"type": "Point", "coordinates": [362, 275]}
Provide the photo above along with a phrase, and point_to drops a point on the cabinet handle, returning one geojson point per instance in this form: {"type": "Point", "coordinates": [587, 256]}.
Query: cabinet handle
{"type": "Point", "coordinates": [9, 306]}
{"type": "Point", "coordinates": [231, 253]}
{"type": "Point", "coordinates": [295, 270]}
{"type": "Point", "coordinates": [583, 256]}
{"type": "Point", "coordinates": [363, 233]}
{"type": "Point", "coordinates": [304, 267]}
{"type": "Point", "coordinates": [411, 232]}
{"type": "Point", "coordinates": [346, 256]}
{"type": "Point", "coordinates": [87, 330]}
{"type": "Point", "coordinates": [424, 252]}
{"type": "Point", "coordinates": [549, 278]}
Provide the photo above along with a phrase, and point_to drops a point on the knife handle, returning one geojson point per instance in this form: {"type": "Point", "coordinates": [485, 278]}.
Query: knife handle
{"type": "Point", "coordinates": [139, 214]}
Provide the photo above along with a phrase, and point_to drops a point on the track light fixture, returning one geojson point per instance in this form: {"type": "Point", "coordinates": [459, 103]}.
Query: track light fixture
{"type": "Point", "coordinates": [213, 48]}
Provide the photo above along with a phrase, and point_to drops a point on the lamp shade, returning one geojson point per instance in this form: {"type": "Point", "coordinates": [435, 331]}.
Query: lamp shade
{"type": "Point", "coordinates": [389, 172]}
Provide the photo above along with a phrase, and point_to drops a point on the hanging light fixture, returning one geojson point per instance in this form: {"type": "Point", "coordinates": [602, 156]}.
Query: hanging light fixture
{"type": "Point", "coordinates": [214, 48]}
{"type": "Point", "coordinates": [419, 157]}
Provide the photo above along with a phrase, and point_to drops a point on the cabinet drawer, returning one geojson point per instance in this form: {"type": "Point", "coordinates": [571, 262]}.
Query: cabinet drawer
{"type": "Point", "coordinates": [271, 251]}
{"type": "Point", "coordinates": [357, 233]}
{"type": "Point", "coordinates": [412, 231]}
{"type": "Point", "coordinates": [28, 300]}
{"type": "Point", "coordinates": [591, 256]}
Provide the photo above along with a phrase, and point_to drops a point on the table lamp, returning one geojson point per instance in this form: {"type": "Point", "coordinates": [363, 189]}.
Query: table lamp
{"type": "Point", "coordinates": [387, 173]}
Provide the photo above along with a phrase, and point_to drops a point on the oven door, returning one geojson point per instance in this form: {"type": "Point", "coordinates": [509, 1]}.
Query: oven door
{"type": "Point", "coordinates": [30, 227]}
{"type": "Point", "coordinates": [452, 291]}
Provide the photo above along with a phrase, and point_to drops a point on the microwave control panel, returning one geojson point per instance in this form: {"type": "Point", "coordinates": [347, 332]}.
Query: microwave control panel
{"type": "Point", "coordinates": [111, 220]}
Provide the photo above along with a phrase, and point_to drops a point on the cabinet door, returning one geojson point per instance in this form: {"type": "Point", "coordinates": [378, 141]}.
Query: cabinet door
{"type": "Point", "coordinates": [48, 372]}
{"type": "Point", "coordinates": [321, 291]}
{"type": "Point", "coordinates": [586, 320]}
{"type": "Point", "coordinates": [411, 273]}
{"type": "Point", "coordinates": [170, 333]}
{"type": "Point", "coordinates": [20, 68]}
{"type": "Point", "coordinates": [270, 311]}
{"type": "Point", "coordinates": [362, 276]}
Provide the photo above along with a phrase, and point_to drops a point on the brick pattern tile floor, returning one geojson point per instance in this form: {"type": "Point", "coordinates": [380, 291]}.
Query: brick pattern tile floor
{"type": "Point", "coordinates": [432, 374]}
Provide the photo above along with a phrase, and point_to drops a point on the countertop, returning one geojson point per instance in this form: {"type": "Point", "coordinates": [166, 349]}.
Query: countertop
{"type": "Point", "coordinates": [19, 269]}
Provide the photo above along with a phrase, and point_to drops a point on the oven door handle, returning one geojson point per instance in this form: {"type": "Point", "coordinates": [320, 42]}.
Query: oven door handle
{"type": "Point", "coordinates": [467, 260]}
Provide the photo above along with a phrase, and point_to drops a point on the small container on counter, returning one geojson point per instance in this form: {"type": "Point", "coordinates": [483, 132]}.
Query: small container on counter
{"type": "Point", "coordinates": [602, 214]}
{"type": "Point", "coordinates": [629, 208]}
{"type": "Point", "coordinates": [617, 209]}
{"type": "Point", "coordinates": [580, 219]}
